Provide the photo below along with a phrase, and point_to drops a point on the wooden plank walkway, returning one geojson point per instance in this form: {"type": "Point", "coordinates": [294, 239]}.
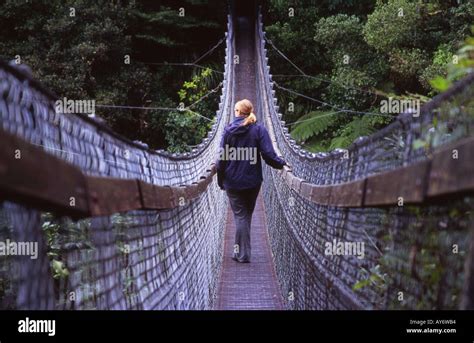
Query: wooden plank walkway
{"type": "Point", "coordinates": [249, 286]}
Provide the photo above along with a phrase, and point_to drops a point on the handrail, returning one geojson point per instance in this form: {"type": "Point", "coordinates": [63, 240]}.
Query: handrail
{"type": "Point", "coordinates": [422, 182]}
{"type": "Point", "coordinates": [51, 184]}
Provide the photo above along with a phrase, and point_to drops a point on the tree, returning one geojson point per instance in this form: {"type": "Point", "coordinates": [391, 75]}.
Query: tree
{"type": "Point", "coordinates": [79, 50]}
{"type": "Point", "coordinates": [392, 25]}
{"type": "Point", "coordinates": [187, 127]}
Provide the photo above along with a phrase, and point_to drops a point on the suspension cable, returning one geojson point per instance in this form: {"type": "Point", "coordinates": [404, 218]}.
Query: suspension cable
{"type": "Point", "coordinates": [210, 51]}
{"type": "Point", "coordinates": [314, 77]}
{"type": "Point", "coordinates": [326, 103]}
{"type": "Point", "coordinates": [195, 63]}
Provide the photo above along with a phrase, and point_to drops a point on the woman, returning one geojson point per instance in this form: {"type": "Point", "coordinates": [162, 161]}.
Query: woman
{"type": "Point", "coordinates": [239, 170]}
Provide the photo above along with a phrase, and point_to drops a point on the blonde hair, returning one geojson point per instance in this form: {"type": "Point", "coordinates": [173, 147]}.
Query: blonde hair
{"type": "Point", "coordinates": [246, 108]}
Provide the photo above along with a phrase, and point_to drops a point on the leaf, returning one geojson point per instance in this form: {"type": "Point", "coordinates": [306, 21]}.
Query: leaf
{"type": "Point", "coordinates": [358, 127]}
{"type": "Point", "coordinates": [360, 284]}
{"type": "Point", "coordinates": [440, 83]}
{"type": "Point", "coordinates": [418, 143]}
{"type": "Point", "coordinates": [59, 269]}
{"type": "Point", "coordinates": [312, 124]}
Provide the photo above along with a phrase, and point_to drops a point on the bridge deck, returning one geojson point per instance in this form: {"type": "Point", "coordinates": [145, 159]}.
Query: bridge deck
{"type": "Point", "coordinates": [249, 286]}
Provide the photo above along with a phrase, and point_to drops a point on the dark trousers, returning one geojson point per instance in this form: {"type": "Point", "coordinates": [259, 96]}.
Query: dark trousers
{"type": "Point", "coordinates": [242, 203]}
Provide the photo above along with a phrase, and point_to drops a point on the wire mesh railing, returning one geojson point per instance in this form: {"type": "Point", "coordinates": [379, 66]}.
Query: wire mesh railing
{"type": "Point", "coordinates": [358, 228]}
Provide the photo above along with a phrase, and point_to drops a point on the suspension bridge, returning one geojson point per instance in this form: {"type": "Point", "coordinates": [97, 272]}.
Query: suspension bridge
{"type": "Point", "coordinates": [121, 226]}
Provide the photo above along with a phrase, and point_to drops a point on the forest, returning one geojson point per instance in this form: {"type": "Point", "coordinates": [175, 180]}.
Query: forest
{"type": "Point", "coordinates": [333, 62]}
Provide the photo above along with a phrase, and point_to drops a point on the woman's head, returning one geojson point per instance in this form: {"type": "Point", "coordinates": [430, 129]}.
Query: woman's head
{"type": "Point", "coordinates": [245, 108]}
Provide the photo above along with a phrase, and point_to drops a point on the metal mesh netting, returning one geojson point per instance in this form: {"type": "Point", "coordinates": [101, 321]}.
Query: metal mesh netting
{"type": "Point", "coordinates": [417, 250]}
{"type": "Point", "coordinates": [135, 260]}
{"type": "Point", "coordinates": [166, 259]}
{"type": "Point", "coordinates": [413, 257]}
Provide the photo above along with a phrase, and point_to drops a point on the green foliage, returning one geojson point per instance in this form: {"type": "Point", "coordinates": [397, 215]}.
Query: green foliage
{"type": "Point", "coordinates": [406, 67]}
{"type": "Point", "coordinates": [459, 18]}
{"type": "Point", "coordinates": [420, 42]}
{"type": "Point", "coordinates": [375, 277]}
{"type": "Point", "coordinates": [338, 31]}
{"type": "Point", "coordinates": [442, 57]}
{"type": "Point", "coordinates": [347, 89]}
{"type": "Point", "coordinates": [82, 57]}
{"type": "Point", "coordinates": [456, 71]}
{"type": "Point", "coordinates": [392, 24]}
{"type": "Point", "coordinates": [323, 131]}
{"type": "Point", "coordinates": [60, 233]}
{"type": "Point", "coordinates": [294, 35]}
{"type": "Point", "coordinates": [312, 124]}
{"type": "Point", "coordinates": [391, 48]}
{"type": "Point", "coordinates": [59, 269]}
{"type": "Point", "coordinates": [51, 230]}
{"type": "Point", "coordinates": [187, 127]}
{"type": "Point", "coordinates": [193, 90]}
{"type": "Point", "coordinates": [357, 127]}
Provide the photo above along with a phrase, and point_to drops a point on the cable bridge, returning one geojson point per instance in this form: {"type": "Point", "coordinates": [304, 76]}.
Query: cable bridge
{"type": "Point", "coordinates": [120, 226]}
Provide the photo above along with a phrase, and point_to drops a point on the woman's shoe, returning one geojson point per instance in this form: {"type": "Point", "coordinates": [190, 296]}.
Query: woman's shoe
{"type": "Point", "coordinates": [237, 260]}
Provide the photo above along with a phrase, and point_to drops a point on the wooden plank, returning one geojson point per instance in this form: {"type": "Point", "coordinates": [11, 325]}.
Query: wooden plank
{"type": "Point", "coordinates": [306, 189]}
{"type": "Point", "coordinates": [155, 197]}
{"type": "Point", "coordinates": [406, 182]}
{"type": "Point", "coordinates": [179, 195]}
{"type": "Point", "coordinates": [321, 194]}
{"type": "Point", "coordinates": [202, 185]}
{"type": "Point", "coordinates": [30, 175]}
{"type": "Point", "coordinates": [191, 191]}
{"type": "Point", "coordinates": [110, 195]}
{"type": "Point", "coordinates": [349, 194]}
{"type": "Point", "coordinates": [452, 175]}
{"type": "Point", "coordinates": [296, 183]}
{"type": "Point", "coordinates": [48, 183]}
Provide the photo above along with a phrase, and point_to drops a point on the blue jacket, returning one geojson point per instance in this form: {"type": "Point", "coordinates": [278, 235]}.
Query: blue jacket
{"type": "Point", "coordinates": [245, 170]}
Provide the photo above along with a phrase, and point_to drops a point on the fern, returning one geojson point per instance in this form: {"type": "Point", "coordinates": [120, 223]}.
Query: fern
{"type": "Point", "coordinates": [316, 145]}
{"type": "Point", "coordinates": [312, 124]}
{"type": "Point", "coordinates": [340, 142]}
{"type": "Point", "coordinates": [360, 126]}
